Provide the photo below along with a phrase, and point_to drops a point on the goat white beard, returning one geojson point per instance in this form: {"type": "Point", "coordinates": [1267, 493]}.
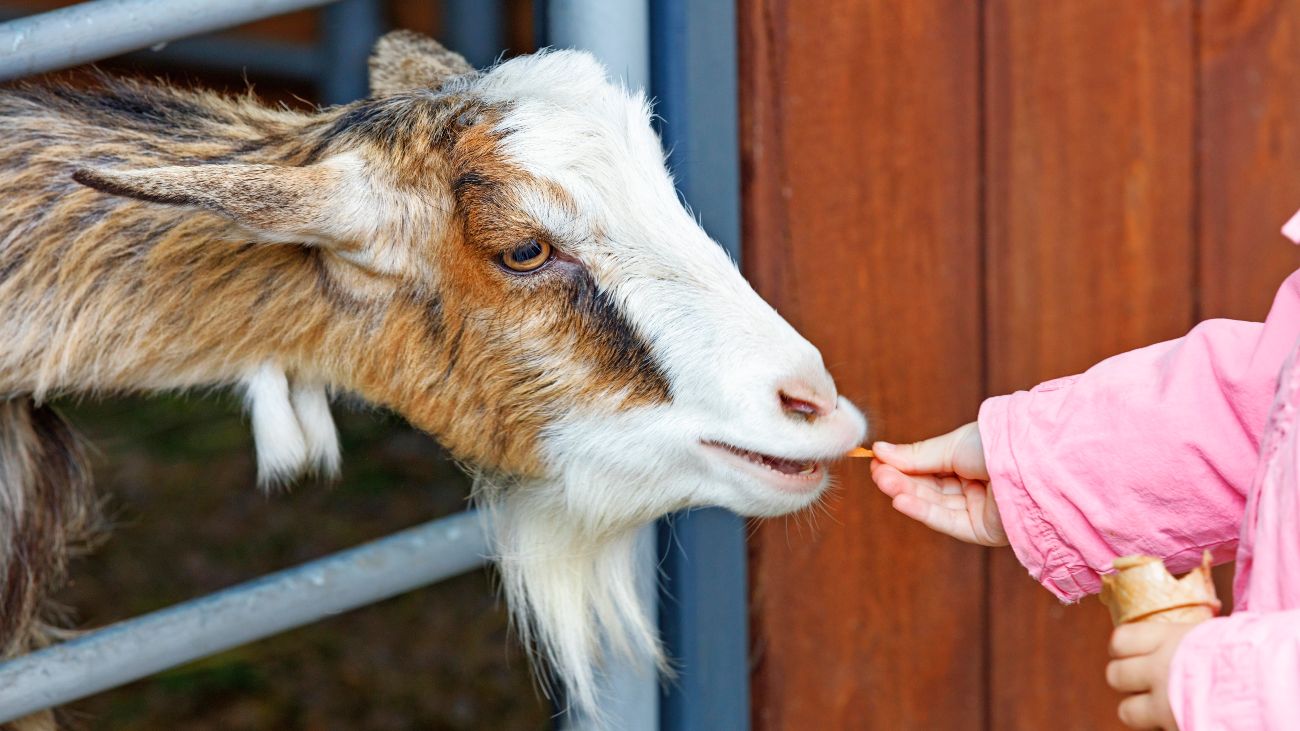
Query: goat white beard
{"type": "Point", "coordinates": [574, 590]}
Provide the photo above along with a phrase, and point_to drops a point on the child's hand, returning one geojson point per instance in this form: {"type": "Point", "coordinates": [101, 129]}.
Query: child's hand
{"type": "Point", "coordinates": [1143, 652]}
{"type": "Point", "coordinates": [943, 483]}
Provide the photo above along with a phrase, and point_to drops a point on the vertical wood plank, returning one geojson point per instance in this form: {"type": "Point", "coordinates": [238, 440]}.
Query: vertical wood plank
{"type": "Point", "coordinates": [1089, 119]}
{"type": "Point", "coordinates": [1249, 145]}
{"type": "Point", "coordinates": [860, 160]}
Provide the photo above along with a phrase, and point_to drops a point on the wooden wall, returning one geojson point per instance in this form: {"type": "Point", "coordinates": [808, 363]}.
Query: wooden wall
{"type": "Point", "coordinates": [955, 199]}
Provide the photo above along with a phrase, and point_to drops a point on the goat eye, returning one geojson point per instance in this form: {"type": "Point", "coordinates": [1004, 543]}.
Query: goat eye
{"type": "Point", "coordinates": [529, 256]}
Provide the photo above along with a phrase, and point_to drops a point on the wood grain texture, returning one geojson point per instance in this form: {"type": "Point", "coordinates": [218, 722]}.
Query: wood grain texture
{"type": "Point", "coordinates": [860, 148]}
{"type": "Point", "coordinates": [1249, 147]}
{"type": "Point", "coordinates": [1090, 118]}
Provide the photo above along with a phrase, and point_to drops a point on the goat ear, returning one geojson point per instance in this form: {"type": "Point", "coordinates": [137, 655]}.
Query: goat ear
{"type": "Point", "coordinates": [404, 60]}
{"type": "Point", "coordinates": [280, 203]}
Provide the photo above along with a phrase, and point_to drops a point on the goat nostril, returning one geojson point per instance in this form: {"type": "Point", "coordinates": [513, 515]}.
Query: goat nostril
{"type": "Point", "coordinates": [799, 407]}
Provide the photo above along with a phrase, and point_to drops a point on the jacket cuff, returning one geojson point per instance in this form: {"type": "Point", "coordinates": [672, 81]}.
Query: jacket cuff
{"type": "Point", "coordinates": [1050, 560]}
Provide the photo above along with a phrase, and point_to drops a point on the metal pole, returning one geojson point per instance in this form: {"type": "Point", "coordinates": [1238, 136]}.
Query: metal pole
{"type": "Point", "coordinates": [138, 647]}
{"type": "Point", "coordinates": [476, 29]}
{"type": "Point", "coordinates": [703, 608]}
{"type": "Point", "coordinates": [618, 33]}
{"type": "Point", "coordinates": [349, 28]}
{"type": "Point", "coordinates": [94, 30]}
{"type": "Point", "coordinates": [615, 31]}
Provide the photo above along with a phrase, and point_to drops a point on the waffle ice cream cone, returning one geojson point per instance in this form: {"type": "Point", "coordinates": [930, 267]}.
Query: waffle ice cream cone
{"type": "Point", "coordinates": [1143, 590]}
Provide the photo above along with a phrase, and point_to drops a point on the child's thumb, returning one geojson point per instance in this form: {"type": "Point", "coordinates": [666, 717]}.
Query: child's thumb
{"type": "Point", "coordinates": [924, 457]}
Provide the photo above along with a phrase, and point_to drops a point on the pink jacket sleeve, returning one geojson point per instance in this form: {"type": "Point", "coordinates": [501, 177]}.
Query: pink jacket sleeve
{"type": "Point", "coordinates": [1151, 451]}
{"type": "Point", "coordinates": [1238, 673]}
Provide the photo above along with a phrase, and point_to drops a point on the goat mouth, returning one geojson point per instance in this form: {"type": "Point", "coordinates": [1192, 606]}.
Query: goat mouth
{"type": "Point", "coordinates": [808, 471]}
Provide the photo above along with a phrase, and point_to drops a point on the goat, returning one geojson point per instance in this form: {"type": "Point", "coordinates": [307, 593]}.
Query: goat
{"type": "Point", "coordinates": [500, 257]}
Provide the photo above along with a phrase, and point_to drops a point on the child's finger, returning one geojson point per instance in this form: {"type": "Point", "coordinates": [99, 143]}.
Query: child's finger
{"type": "Point", "coordinates": [926, 456]}
{"type": "Point", "coordinates": [934, 517]}
{"type": "Point", "coordinates": [888, 479]}
{"type": "Point", "coordinates": [1141, 638]}
{"type": "Point", "coordinates": [976, 495]}
{"type": "Point", "coordinates": [893, 482]}
{"type": "Point", "coordinates": [935, 490]}
{"type": "Point", "coordinates": [1139, 712]}
{"type": "Point", "coordinates": [1129, 675]}
{"type": "Point", "coordinates": [945, 491]}
{"type": "Point", "coordinates": [948, 493]}
{"type": "Point", "coordinates": [942, 499]}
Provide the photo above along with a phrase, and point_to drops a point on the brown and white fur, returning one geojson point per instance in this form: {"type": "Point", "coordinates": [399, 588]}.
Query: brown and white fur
{"type": "Point", "coordinates": [153, 238]}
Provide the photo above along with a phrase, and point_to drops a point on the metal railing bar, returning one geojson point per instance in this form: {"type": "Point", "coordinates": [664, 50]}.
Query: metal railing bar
{"type": "Point", "coordinates": [98, 29]}
{"type": "Point", "coordinates": [138, 647]}
{"type": "Point", "coordinates": [288, 60]}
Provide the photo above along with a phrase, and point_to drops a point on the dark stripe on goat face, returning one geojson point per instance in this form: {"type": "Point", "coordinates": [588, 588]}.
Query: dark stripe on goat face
{"type": "Point", "coordinates": [577, 312]}
{"type": "Point", "coordinates": [621, 353]}
{"type": "Point", "coordinates": [509, 358]}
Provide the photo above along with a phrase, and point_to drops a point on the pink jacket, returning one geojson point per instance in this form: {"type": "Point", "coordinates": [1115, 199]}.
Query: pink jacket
{"type": "Point", "coordinates": [1169, 450]}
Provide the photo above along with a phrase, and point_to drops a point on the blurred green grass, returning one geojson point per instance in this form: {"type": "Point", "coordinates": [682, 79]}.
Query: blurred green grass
{"type": "Point", "coordinates": [178, 474]}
